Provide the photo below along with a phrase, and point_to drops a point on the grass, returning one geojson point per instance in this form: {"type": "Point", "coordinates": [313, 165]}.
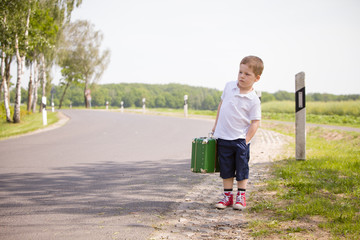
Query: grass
{"type": "Point", "coordinates": [334, 113]}
{"type": "Point", "coordinates": [322, 191]}
{"type": "Point", "coordinates": [29, 122]}
{"type": "Point", "coordinates": [351, 108]}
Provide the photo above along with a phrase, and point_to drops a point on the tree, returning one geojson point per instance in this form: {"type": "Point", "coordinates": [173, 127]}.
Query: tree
{"type": "Point", "coordinates": [81, 40]}
{"type": "Point", "coordinates": [70, 72]}
{"type": "Point", "coordinates": [6, 56]}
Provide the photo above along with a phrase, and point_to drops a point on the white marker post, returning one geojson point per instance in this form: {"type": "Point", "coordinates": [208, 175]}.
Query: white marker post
{"type": "Point", "coordinates": [300, 120]}
{"type": "Point", "coordinates": [143, 100]}
{"type": "Point", "coordinates": [107, 105]}
{"type": "Point", "coordinates": [185, 106]}
{"type": "Point", "coordinates": [258, 93]}
{"type": "Point", "coordinates": [52, 99]}
{"type": "Point", "coordinates": [122, 106]}
{"type": "Point", "coordinates": [44, 113]}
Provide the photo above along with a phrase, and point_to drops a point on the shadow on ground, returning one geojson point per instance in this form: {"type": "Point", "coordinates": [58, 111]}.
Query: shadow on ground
{"type": "Point", "coordinates": [103, 189]}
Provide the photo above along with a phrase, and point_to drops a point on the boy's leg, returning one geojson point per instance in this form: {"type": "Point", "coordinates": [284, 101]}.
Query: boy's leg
{"type": "Point", "coordinates": [242, 184]}
{"type": "Point", "coordinates": [227, 195]}
{"type": "Point", "coordinates": [242, 172]}
{"type": "Point", "coordinates": [240, 202]}
{"type": "Point", "coordinates": [227, 171]}
{"type": "Point", "coordinates": [228, 183]}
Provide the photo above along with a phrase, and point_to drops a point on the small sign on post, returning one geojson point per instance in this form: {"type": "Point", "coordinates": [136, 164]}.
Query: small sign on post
{"type": "Point", "coordinates": [300, 119]}
{"type": "Point", "coordinates": [186, 106]}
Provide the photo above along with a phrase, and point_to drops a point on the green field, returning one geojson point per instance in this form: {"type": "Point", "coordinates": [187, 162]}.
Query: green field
{"type": "Point", "coordinates": [334, 113]}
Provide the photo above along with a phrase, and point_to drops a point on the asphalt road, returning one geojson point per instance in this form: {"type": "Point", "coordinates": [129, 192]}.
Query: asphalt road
{"type": "Point", "coordinates": [104, 175]}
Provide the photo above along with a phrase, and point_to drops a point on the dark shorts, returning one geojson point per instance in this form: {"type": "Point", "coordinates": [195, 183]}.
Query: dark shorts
{"type": "Point", "coordinates": [234, 156]}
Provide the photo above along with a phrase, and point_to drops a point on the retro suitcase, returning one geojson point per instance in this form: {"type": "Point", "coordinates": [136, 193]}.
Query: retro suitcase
{"type": "Point", "coordinates": [204, 155]}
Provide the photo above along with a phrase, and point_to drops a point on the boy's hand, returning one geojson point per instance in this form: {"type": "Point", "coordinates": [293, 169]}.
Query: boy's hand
{"type": "Point", "coordinates": [252, 130]}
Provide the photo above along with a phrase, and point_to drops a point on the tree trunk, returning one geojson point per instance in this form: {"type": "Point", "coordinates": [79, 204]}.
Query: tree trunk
{"type": "Point", "coordinates": [30, 88]}
{"type": "Point", "coordinates": [2, 79]}
{"type": "Point", "coordinates": [86, 94]}
{"type": "Point", "coordinates": [36, 84]}
{"type": "Point", "coordinates": [43, 69]}
{"type": "Point", "coordinates": [6, 90]}
{"type": "Point", "coordinates": [19, 62]}
{"type": "Point", "coordinates": [8, 61]}
{"type": "Point", "coordinates": [63, 95]}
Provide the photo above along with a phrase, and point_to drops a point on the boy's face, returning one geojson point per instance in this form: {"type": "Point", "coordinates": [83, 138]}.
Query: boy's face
{"type": "Point", "coordinates": [246, 78]}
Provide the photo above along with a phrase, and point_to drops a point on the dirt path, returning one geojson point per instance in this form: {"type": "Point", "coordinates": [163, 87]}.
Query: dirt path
{"type": "Point", "coordinates": [196, 217]}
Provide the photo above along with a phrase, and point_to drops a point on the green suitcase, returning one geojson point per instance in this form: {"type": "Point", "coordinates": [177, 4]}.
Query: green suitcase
{"type": "Point", "coordinates": [204, 155]}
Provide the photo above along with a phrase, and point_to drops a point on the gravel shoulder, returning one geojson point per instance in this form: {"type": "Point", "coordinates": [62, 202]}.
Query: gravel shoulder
{"type": "Point", "coordinates": [197, 218]}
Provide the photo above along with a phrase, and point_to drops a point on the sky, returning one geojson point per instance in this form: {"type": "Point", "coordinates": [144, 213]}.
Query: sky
{"type": "Point", "coordinates": [201, 42]}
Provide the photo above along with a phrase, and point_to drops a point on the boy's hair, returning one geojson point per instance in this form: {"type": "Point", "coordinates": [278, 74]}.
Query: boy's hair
{"type": "Point", "coordinates": [254, 63]}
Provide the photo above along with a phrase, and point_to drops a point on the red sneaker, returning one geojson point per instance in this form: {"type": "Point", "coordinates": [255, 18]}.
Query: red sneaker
{"type": "Point", "coordinates": [226, 201]}
{"type": "Point", "coordinates": [240, 201]}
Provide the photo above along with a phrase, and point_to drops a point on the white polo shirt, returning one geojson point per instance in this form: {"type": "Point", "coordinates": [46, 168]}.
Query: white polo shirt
{"type": "Point", "coordinates": [236, 112]}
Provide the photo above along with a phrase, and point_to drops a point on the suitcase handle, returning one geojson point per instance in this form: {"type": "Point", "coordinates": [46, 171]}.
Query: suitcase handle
{"type": "Point", "coordinates": [211, 134]}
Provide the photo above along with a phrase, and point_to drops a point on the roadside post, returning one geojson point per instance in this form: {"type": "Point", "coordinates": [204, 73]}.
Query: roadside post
{"type": "Point", "coordinates": [185, 106]}
{"type": "Point", "coordinates": [52, 99]}
{"type": "Point", "coordinates": [44, 113]}
{"type": "Point", "coordinates": [143, 100]}
{"type": "Point", "coordinates": [88, 96]}
{"type": "Point", "coordinates": [122, 106]}
{"type": "Point", "coordinates": [300, 119]}
{"type": "Point", "coordinates": [107, 105]}
{"type": "Point", "coordinates": [258, 93]}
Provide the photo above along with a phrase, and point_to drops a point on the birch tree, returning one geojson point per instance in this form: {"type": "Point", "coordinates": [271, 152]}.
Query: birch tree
{"type": "Point", "coordinates": [4, 80]}
{"type": "Point", "coordinates": [15, 17]}
{"type": "Point", "coordinates": [21, 30]}
{"type": "Point", "coordinates": [84, 42]}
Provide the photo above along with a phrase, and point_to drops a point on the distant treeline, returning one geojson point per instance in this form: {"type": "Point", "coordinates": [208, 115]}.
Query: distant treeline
{"type": "Point", "coordinates": [164, 96]}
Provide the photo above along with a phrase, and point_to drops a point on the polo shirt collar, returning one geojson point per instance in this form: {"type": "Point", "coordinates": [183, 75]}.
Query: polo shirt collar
{"type": "Point", "coordinates": [236, 91]}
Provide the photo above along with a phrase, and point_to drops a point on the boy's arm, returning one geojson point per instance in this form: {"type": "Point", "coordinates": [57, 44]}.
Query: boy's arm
{"type": "Point", "coordinates": [217, 116]}
{"type": "Point", "coordinates": [252, 130]}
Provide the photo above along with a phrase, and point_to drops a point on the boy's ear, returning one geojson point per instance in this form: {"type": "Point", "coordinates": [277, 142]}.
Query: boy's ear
{"type": "Point", "coordinates": [257, 78]}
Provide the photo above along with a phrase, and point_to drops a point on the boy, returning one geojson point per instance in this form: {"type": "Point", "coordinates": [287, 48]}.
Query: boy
{"type": "Point", "coordinates": [238, 118]}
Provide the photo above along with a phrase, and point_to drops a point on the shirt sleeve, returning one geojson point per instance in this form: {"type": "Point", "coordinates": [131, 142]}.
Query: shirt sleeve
{"type": "Point", "coordinates": [223, 94]}
{"type": "Point", "coordinates": [255, 112]}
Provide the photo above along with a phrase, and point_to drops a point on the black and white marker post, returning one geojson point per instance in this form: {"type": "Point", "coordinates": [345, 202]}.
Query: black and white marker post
{"type": "Point", "coordinates": [300, 119]}
{"type": "Point", "coordinates": [44, 113]}
{"type": "Point", "coordinates": [258, 93]}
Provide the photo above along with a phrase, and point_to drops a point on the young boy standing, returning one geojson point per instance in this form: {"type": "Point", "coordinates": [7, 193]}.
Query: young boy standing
{"type": "Point", "coordinates": [238, 118]}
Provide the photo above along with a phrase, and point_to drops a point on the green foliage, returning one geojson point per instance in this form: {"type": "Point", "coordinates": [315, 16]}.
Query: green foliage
{"type": "Point", "coordinates": [156, 95]}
